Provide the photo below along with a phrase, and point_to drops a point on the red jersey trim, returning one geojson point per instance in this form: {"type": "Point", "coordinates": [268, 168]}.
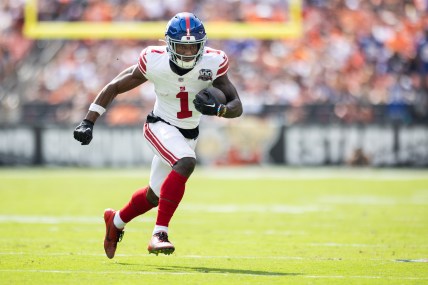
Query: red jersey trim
{"type": "Point", "coordinates": [142, 62]}
{"type": "Point", "coordinates": [224, 67]}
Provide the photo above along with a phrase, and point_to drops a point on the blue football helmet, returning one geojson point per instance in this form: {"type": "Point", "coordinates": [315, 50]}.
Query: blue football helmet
{"type": "Point", "coordinates": [185, 29]}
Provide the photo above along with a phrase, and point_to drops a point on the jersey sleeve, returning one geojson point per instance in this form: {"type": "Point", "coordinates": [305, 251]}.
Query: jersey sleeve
{"type": "Point", "coordinates": [142, 62]}
{"type": "Point", "coordinates": [224, 65]}
{"type": "Point", "coordinates": [218, 61]}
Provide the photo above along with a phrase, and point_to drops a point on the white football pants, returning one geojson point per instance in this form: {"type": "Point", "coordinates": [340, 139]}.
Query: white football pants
{"type": "Point", "coordinates": [168, 145]}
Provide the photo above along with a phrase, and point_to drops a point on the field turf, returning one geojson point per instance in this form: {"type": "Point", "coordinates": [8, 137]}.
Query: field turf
{"type": "Point", "coordinates": [234, 226]}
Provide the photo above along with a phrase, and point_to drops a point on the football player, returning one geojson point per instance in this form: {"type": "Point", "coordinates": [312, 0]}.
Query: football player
{"type": "Point", "coordinates": [180, 72]}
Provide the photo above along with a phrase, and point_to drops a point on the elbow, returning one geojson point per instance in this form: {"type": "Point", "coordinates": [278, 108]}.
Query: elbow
{"type": "Point", "coordinates": [237, 112]}
{"type": "Point", "coordinates": [240, 111]}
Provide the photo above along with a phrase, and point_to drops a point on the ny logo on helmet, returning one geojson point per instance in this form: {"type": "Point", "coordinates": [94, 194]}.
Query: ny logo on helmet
{"type": "Point", "coordinates": [205, 75]}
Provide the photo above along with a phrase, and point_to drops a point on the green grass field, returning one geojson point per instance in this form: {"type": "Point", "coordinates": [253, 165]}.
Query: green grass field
{"type": "Point", "coordinates": [234, 226]}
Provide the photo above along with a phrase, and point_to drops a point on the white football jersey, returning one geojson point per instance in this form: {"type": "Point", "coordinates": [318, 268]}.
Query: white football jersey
{"type": "Point", "coordinates": [175, 93]}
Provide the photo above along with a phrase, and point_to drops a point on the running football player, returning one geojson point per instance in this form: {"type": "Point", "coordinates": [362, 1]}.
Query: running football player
{"type": "Point", "coordinates": [180, 71]}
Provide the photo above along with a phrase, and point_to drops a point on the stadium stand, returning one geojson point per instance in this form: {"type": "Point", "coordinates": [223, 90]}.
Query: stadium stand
{"type": "Point", "coordinates": [367, 63]}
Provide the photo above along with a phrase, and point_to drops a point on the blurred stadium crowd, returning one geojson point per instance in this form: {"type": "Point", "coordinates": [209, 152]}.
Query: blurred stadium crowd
{"type": "Point", "coordinates": [354, 55]}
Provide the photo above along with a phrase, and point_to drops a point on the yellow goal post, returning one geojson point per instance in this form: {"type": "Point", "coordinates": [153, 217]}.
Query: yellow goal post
{"type": "Point", "coordinates": [155, 29]}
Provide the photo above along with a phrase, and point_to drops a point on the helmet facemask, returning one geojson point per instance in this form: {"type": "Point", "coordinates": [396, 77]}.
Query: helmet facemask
{"type": "Point", "coordinates": [185, 61]}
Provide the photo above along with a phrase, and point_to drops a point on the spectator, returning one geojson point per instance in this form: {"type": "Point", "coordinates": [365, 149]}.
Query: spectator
{"type": "Point", "coordinates": [367, 53]}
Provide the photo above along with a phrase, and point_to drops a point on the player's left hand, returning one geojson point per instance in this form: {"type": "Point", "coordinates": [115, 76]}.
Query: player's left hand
{"type": "Point", "coordinates": [206, 103]}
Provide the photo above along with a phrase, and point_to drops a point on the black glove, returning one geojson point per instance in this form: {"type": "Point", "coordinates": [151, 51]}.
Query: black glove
{"type": "Point", "coordinates": [83, 132]}
{"type": "Point", "coordinates": [206, 103]}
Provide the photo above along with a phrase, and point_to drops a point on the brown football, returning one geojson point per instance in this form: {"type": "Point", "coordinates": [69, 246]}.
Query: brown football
{"type": "Point", "coordinates": [218, 94]}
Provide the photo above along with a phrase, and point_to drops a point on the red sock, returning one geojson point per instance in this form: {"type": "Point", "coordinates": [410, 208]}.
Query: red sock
{"type": "Point", "coordinates": [171, 192]}
{"type": "Point", "coordinates": [138, 205]}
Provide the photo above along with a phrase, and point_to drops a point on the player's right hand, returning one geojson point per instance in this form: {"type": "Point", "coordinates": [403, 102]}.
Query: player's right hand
{"type": "Point", "coordinates": [83, 132]}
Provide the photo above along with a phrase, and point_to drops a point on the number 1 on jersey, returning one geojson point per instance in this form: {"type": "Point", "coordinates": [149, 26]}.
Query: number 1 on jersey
{"type": "Point", "coordinates": [184, 105]}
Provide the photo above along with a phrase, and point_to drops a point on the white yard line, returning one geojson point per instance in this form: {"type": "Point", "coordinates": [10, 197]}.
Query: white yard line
{"type": "Point", "coordinates": [204, 208]}
{"type": "Point", "coordinates": [247, 172]}
{"type": "Point", "coordinates": [252, 208]}
{"type": "Point", "coordinates": [174, 255]}
{"type": "Point", "coordinates": [296, 173]}
{"type": "Point", "coordinates": [24, 219]}
{"type": "Point", "coordinates": [208, 257]}
{"type": "Point", "coordinates": [234, 273]}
